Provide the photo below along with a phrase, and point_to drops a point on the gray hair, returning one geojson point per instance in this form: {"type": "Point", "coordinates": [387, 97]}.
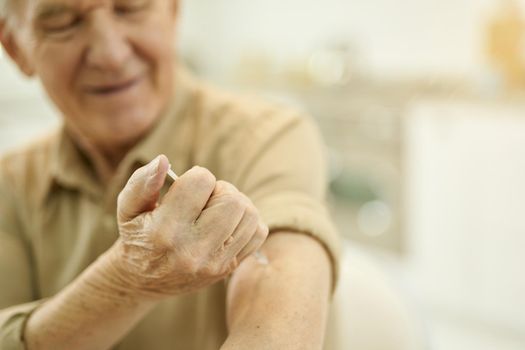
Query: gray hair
{"type": "Point", "coordinates": [4, 5]}
{"type": "Point", "coordinates": [6, 11]}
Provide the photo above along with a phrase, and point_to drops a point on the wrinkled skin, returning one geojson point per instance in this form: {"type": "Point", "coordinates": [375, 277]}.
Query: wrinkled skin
{"type": "Point", "coordinates": [197, 235]}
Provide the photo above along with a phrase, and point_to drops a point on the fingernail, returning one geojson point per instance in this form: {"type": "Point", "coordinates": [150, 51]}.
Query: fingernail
{"type": "Point", "coordinates": [153, 166]}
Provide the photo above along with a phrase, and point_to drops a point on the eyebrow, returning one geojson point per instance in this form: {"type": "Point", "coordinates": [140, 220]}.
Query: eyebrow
{"type": "Point", "coordinates": [48, 10]}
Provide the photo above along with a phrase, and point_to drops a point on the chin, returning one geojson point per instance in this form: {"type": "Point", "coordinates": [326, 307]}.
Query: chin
{"type": "Point", "coordinates": [129, 129]}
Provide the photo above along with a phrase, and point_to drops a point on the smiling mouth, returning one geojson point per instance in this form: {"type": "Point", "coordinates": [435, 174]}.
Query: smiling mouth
{"type": "Point", "coordinates": [112, 89]}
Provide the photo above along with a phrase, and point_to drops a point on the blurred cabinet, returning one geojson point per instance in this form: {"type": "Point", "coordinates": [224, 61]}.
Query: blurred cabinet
{"type": "Point", "coordinates": [465, 167]}
{"type": "Point", "coordinates": [362, 128]}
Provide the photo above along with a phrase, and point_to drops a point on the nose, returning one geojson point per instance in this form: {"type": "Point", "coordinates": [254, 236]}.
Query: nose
{"type": "Point", "coordinates": [108, 47]}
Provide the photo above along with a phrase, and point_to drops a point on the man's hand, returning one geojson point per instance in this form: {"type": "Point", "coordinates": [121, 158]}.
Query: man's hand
{"type": "Point", "coordinates": [196, 236]}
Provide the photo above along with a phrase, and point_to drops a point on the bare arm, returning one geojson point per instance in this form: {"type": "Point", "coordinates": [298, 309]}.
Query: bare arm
{"type": "Point", "coordinates": [282, 305]}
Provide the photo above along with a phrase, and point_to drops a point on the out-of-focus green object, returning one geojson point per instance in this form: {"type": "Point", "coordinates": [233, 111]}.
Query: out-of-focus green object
{"type": "Point", "coordinates": [353, 188]}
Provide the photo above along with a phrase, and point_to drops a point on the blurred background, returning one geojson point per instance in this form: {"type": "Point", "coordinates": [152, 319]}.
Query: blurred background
{"type": "Point", "coordinates": [422, 107]}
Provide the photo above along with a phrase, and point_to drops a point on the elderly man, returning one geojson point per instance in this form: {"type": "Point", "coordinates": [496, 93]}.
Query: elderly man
{"type": "Point", "coordinates": [99, 250]}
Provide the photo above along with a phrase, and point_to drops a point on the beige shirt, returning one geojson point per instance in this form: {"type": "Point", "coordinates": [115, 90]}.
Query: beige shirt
{"type": "Point", "coordinates": [56, 218]}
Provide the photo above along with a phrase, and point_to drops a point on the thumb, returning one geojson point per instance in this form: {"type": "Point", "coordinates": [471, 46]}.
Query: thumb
{"type": "Point", "coordinates": [142, 191]}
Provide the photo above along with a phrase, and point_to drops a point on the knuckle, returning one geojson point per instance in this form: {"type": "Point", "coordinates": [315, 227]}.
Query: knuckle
{"type": "Point", "coordinates": [252, 213]}
{"type": "Point", "coordinates": [188, 264]}
{"type": "Point", "coordinates": [251, 217]}
{"type": "Point", "coordinates": [260, 238]}
{"type": "Point", "coordinates": [224, 268]}
{"type": "Point", "coordinates": [250, 207]}
{"type": "Point", "coordinates": [234, 202]}
{"type": "Point", "coordinates": [210, 269]}
{"type": "Point", "coordinates": [228, 242]}
{"type": "Point", "coordinates": [203, 176]}
{"type": "Point", "coordinates": [260, 235]}
{"type": "Point", "coordinates": [230, 266]}
{"type": "Point", "coordinates": [223, 187]}
{"type": "Point", "coordinates": [264, 230]}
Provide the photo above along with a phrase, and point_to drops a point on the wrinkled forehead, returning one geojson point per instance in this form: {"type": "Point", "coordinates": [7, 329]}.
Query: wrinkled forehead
{"type": "Point", "coordinates": [37, 6]}
{"type": "Point", "coordinates": [28, 10]}
{"type": "Point", "coordinates": [31, 8]}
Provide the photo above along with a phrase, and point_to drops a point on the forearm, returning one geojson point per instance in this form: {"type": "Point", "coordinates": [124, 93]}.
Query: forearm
{"type": "Point", "coordinates": [282, 305]}
{"type": "Point", "coordinates": [94, 312]}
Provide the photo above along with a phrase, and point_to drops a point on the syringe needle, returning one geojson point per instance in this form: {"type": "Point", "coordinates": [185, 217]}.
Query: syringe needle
{"type": "Point", "coordinates": [172, 174]}
{"type": "Point", "coordinates": [261, 258]}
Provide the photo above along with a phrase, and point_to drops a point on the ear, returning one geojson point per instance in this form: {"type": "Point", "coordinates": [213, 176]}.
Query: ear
{"type": "Point", "coordinates": [12, 48]}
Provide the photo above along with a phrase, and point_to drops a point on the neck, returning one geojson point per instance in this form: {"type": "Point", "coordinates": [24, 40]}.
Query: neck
{"type": "Point", "coordinates": [105, 159]}
{"type": "Point", "coordinates": [105, 162]}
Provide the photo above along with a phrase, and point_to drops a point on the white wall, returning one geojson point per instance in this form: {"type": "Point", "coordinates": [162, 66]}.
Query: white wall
{"type": "Point", "coordinates": [12, 83]}
{"type": "Point", "coordinates": [393, 36]}
{"type": "Point", "coordinates": [24, 109]}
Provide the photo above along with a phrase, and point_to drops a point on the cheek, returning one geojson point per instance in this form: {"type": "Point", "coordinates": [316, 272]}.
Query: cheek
{"type": "Point", "coordinates": [156, 43]}
{"type": "Point", "coordinates": [56, 65]}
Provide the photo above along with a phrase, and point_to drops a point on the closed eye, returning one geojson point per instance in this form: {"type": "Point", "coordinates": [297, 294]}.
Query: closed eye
{"type": "Point", "coordinates": [129, 7]}
{"type": "Point", "coordinates": [61, 24]}
{"type": "Point", "coordinates": [57, 19]}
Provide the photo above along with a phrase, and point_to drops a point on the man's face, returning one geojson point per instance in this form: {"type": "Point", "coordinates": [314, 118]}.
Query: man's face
{"type": "Point", "coordinates": [107, 64]}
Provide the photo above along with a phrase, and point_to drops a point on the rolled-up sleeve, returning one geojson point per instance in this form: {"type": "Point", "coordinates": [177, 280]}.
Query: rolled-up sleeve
{"type": "Point", "coordinates": [16, 292]}
{"type": "Point", "coordinates": [281, 167]}
{"type": "Point", "coordinates": [12, 324]}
